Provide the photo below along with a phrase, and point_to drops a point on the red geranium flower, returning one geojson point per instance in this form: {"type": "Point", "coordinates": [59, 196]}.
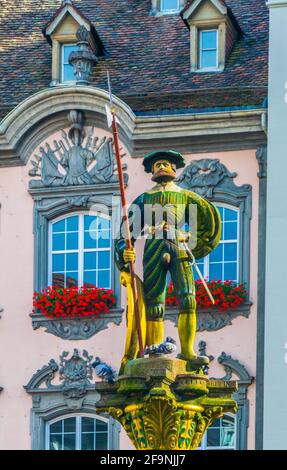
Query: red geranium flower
{"type": "Point", "coordinates": [227, 294]}
{"type": "Point", "coordinates": [73, 302]}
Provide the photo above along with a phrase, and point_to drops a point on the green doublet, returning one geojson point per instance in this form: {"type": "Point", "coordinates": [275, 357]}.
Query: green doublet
{"type": "Point", "coordinates": [167, 254]}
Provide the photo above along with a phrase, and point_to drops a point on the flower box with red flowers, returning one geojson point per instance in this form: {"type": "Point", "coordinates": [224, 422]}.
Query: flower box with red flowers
{"type": "Point", "coordinates": [231, 301]}
{"type": "Point", "coordinates": [75, 313]}
{"type": "Point", "coordinates": [72, 302]}
{"type": "Point", "coordinates": [227, 295]}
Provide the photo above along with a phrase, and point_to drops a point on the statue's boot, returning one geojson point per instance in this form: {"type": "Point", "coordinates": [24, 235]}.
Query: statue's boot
{"type": "Point", "coordinates": [186, 331]}
{"type": "Point", "coordinates": [154, 332]}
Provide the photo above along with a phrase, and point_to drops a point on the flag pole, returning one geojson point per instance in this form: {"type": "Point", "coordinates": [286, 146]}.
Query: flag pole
{"type": "Point", "coordinates": [126, 220]}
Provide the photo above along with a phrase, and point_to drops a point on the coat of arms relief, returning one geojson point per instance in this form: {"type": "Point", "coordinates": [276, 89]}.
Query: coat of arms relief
{"type": "Point", "coordinates": [78, 158]}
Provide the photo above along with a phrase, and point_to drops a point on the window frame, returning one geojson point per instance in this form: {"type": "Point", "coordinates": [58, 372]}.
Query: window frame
{"type": "Point", "coordinates": [204, 445]}
{"type": "Point", "coordinates": [162, 10]}
{"type": "Point", "coordinates": [200, 50]}
{"type": "Point", "coordinates": [81, 250]}
{"type": "Point", "coordinates": [206, 259]}
{"type": "Point", "coordinates": [62, 63]}
{"type": "Point", "coordinates": [78, 417]}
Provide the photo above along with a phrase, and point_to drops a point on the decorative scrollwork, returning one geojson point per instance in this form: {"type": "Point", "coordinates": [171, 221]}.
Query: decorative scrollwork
{"type": "Point", "coordinates": [202, 176]}
{"type": "Point", "coordinates": [76, 328]}
{"type": "Point", "coordinates": [212, 320]}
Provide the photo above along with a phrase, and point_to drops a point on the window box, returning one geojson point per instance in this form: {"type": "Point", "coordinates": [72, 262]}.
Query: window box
{"type": "Point", "coordinates": [75, 314]}
{"type": "Point", "coordinates": [77, 328]}
{"type": "Point", "coordinates": [226, 295]}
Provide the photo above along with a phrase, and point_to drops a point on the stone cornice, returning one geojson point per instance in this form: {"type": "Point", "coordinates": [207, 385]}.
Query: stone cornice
{"type": "Point", "coordinates": [33, 120]}
{"type": "Point", "coordinates": [276, 4]}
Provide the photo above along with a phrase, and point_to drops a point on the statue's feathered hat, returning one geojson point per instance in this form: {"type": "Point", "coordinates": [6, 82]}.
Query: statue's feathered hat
{"type": "Point", "coordinates": [174, 157]}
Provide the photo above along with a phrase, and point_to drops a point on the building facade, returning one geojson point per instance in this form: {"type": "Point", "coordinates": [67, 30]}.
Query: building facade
{"type": "Point", "coordinates": [185, 75]}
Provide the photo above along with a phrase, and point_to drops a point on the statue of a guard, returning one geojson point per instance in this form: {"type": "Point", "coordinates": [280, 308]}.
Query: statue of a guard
{"type": "Point", "coordinates": [167, 233]}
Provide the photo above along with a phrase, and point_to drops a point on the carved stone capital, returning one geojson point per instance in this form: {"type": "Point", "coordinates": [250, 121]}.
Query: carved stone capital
{"type": "Point", "coordinates": [161, 404]}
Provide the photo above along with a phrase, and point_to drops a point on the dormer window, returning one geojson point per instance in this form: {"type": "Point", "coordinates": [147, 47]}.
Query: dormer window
{"type": "Point", "coordinates": [67, 71]}
{"type": "Point", "coordinates": [213, 32]}
{"type": "Point", "coordinates": [169, 6]}
{"type": "Point", "coordinates": [62, 33]}
{"type": "Point", "coordinates": [208, 49]}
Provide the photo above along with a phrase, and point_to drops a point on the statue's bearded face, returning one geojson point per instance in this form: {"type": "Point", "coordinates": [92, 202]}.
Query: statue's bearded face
{"type": "Point", "coordinates": [163, 171]}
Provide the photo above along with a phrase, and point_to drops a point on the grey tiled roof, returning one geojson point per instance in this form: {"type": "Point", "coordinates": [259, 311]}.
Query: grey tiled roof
{"type": "Point", "coordinates": [149, 57]}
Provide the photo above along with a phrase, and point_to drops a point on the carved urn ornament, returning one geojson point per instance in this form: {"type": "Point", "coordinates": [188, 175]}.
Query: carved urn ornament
{"type": "Point", "coordinates": [83, 59]}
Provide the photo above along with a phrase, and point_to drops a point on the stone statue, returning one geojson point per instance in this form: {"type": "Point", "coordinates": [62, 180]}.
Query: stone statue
{"type": "Point", "coordinates": [165, 250]}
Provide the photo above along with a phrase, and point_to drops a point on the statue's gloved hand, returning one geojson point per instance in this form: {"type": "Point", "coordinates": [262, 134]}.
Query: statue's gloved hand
{"type": "Point", "coordinates": [129, 256]}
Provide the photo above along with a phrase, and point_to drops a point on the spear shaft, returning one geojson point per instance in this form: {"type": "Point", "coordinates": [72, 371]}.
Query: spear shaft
{"type": "Point", "coordinates": [128, 234]}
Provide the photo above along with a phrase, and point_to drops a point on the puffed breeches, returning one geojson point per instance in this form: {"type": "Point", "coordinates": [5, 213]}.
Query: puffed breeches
{"type": "Point", "coordinates": [161, 257]}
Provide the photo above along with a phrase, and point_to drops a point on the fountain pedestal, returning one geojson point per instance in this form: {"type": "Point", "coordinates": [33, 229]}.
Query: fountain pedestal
{"type": "Point", "coordinates": [166, 403]}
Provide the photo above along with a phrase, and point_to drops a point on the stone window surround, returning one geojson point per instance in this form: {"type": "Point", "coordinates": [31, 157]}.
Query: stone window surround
{"type": "Point", "coordinates": [223, 190]}
{"type": "Point", "coordinates": [62, 63]}
{"type": "Point", "coordinates": [206, 260]}
{"type": "Point", "coordinates": [243, 203]}
{"type": "Point", "coordinates": [244, 380]}
{"type": "Point", "coordinates": [72, 395]}
{"type": "Point", "coordinates": [51, 203]}
{"type": "Point", "coordinates": [80, 248]}
{"type": "Point", "coordinates": [195, 29]}
{"type": "Point", "coordinates": [75, 415]}
{"type": "Point", "coordinates": [200, 50]}
{"type": "Point", "coordinates": [57, 43]}
{"type": "Point", "coordinates": [204, 445]}
{"type": "Point", "coordinates": [40, 419]}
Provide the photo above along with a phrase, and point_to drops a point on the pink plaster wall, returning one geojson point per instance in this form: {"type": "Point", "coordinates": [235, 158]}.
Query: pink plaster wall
{"type": "Point", "coordinates": [23, 350]}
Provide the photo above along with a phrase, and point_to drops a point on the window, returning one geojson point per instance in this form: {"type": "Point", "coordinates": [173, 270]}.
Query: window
{"type": "Point", "coordinates": [169, 5]}
{"type": "Point", "coordinates": [67, 72]}
{"type": "Point", "coordinates": [80, 251]}
{"type": "Point", "coordinates": [223, 262]}
{"type": "Point", "coordinates": [213, 33]}
{"type": "Point", "coordinates": [77, 433]}
{"type": "Point", "coordinates": [208, 49]}
{"type": "Point", "coordinates": [221, 434]}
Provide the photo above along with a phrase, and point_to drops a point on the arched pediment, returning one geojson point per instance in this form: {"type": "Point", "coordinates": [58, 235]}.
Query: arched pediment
{"type": "Point", "coordinates": [36, 118]}
{"type": "Point", "coordinates": [43, 113]}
